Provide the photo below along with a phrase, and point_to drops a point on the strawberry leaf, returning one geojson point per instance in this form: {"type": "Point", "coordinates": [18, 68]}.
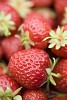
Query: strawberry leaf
{"type": "Point", "coordinates": [52, 80]}
{"type": "Point", "coordinates": [8, 92]}
{"type": "Point", "coordinates": [18, 97]}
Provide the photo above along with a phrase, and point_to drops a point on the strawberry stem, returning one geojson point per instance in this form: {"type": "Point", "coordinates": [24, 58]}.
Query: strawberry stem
{"type": "Point", "coordinates": [6, 24]}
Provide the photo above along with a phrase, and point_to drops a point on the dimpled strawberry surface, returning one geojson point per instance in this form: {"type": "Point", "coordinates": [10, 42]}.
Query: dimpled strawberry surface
{"type": "Point", "coordinates": [33, 49]}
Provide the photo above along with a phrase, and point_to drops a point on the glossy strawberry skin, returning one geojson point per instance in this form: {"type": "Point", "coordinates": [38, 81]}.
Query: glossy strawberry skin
{"type": "Point", "coordinates": [1, 52]}
{"type": "Point", "coordinates": [38, 29]}
{"type": "Point", "coordinates": [3, 0]}
{"type": "Point", "coordinates": [42, 3]}
{"type": "Point", "coordinates": [7, 81]}
{"type": "Point", "coordinates": [15, 17]}
{"type": "Point", "coordinates": [60, 6]}
{"type": "Point", "coordinates": [34, 95]}
{"type": "Point", "coordinates": [61, 68]}
{"type": "Point", "coordinates": [62, 52]}
{"type": "Point", "coordinates": [59, 98]}
{"type": "Point", "coordinates": [13, 45]}
{"type": "Point", "coordinates": [28, 67]}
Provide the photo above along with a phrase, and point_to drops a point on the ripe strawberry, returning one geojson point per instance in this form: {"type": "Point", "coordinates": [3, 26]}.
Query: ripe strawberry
{"type": "Point", "coordinates": [28, 67]}
{"type": "Point", "coordinates": [61, 68]}
{"type": "Point", "coordinates": [60, 5]}
{"type": "Point", "coordinates": [49, 15]}
{"type": "Point", "coordinates": [34, 30]}
{"type": "Point", "coordinates": [8, 88]}
{"type": "Point", "coordinates": [58, 41]}
{"type": "Point", "coordinates": [7, 81]}
{"type": "Point", "coordinates": [34, 95]}
{"type": "Point", "coordinates": [42, 3]}
{"type": "Point", "coordinates": [1, 52]}
{"type": "Point", "coordinates": [13, 45]}
{"type": "Point", "coordinates": [10, 20]}
{"type": "Point", "coordinates": [59, 98]}
{"type": "Point", "coordinates": [3, 0]}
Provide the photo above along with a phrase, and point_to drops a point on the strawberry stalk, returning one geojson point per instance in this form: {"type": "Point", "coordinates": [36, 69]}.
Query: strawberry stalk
{"type": "Point", "coordinates": [50, 78]}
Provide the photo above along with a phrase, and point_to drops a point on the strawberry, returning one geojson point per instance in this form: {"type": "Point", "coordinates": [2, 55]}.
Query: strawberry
{"type": "Point", "coordinates": [60, 6]}
{"type": "Point", "coordinates": [3, 0]}
{"type": "Point", "coordinates": [34, 95]}
{"type": "Point", "coordinates": [49, 15]}
{"type": "Point", "coordinates": [10, 20]}
{"type": "Point", "coordinates": [58, 41]}
{"type": "Point", "coordinates": [42, 3]}
{"type": "Point", "coordinates": [13, 45]}
{"type": "Point", "coordinates": [34, 30]}
{"type": "Point", "coordinates": [61, 68]}
{"type": "Point", "coordinates": [59, 98]}
{"type": "Point", "coordinates": [8, 88]}
{"type": "Point", "coordinates": [1, 52]}
{"type": "Point", "coordinates": [28, 67]}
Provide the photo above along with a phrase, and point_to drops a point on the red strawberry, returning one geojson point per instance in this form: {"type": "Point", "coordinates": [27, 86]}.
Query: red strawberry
{"type": "Point", "coordinates": [13, 45]}
{"type": "Point", "coordinates": [3, 0]}
{"type": "Point", "coordinates": [41, 3]}
{"type": "Point", "coordinates": [58, 41]}
{"type": "Point", "coordinates": [34, 30]}
{"type": "Point", "coordinates": [10, 20]}
{"type": "Point", "coordinates": [61, 68]}
{"type": "Point", "coordinates": [7, 87]}
{"type": "Point", "coordinates": [49, 15]}
{"type": "Point", "coordinates": [28, 67]}
{"type": "Point", "coordinates": [34, 95]}
{"type": "Point", "coordinates": [60, 5]}
{"type": "Point", "coordinates": [59, 98]}
{"type": "Point", "coordinates": [1, 52]}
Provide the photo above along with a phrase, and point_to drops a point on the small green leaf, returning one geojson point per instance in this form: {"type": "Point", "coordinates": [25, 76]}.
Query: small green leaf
{"type": "Point", "coordinates": [8, 92]}
{"type": "Point", "coordinates": [52, 80]}
{"type": "Point", "coordinates": [18, 97]}
{"type": "Point", "coordinates": [1, 91]}
{"type": "Point", "coordinates": [16, 91]}
{"type": "Point", "coordinates": [56, 75]}
{"type": "Point", "coordinates": [7, 98]}
{"type": "Point", "coordinates": [52, 33]}
{"type": "Point", "coordinates": [52, 45]}
{"type": "Point", "coordinates": [48, 70]}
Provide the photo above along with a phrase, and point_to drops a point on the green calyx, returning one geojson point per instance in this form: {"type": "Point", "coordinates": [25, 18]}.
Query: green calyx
{"type": "Point", "coordinates": [64, 21]}
{"type": "Point", "coordinates": [50, 78]}
{"type": "Point", "coordinates": [22, 6]}
{"type": "Point", "coordinates": [9, 94]}
{"type": "Point", "coordinates": [25, 39]}
{"type": "Point", "coordinates": [57, 39]}
{"type": "Point", "coordinates": [6, 24]}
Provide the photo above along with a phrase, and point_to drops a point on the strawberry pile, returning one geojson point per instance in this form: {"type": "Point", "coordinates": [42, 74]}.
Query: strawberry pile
{"type": "Point", "coordinates": [33, 49]}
